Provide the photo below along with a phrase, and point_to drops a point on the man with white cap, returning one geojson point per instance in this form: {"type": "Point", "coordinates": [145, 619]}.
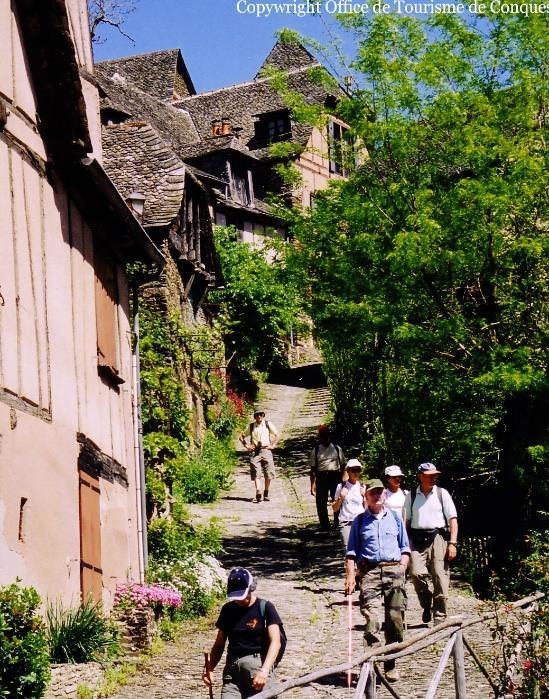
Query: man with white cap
{"type": "Point", "coordinates": [394, 495]}
{"type": "Point", "coordinates": [253, 628]}
{"type": "Point", "coordinates": [349, 499]}
{"type": "Point", "coordinates": [432, 523]}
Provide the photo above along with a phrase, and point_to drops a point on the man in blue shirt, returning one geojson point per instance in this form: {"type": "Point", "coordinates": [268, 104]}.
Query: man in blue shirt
{"type": "Point", "coordinates": [378, 551]}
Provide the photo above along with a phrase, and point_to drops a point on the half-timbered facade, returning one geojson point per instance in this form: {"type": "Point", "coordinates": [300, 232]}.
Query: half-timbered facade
{"type": "Point", "coordinates": [69, 483]}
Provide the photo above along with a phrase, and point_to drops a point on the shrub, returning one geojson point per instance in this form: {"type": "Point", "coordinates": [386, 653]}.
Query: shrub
{"type": "Point", "coordinates": [199, 483]}
{"type": "Point", "coordinates": [24, 663]}
{"type": "Point", "coordinates": [200, 580]}
{"type": "Point", "coordinates": [79, 634]}
{"type": "Point", "coordinates": [175, 541]}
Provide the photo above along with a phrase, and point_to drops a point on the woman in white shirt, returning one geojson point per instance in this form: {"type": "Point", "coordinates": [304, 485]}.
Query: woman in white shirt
{"type": "Point", "coordinates": [349, 499]}
{"type": "Point", "coordinates": [394, 495]}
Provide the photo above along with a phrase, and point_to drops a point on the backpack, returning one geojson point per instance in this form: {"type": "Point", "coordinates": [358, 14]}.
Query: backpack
{"type": "Point", "coordinates": [413, 494]}
{"type": "Point", "coordinates": [252, 425]}
{"type": "Point", "coordinates": [338, 451]}
{"type": "Point", "coordinates": [283, 637]}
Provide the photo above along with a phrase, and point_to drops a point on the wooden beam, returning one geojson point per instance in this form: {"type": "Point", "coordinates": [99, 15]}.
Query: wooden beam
{"type": "Point", "coordinates": [480, 665]}
{"type": "Point", "coordinates": [362, 679]}
{"type": "Point", "coordinates": [386, 684]}
{"type": "Point", "coordinates": [411, 646]}
{"type": "Point", "coordinates": [459, 667]}
{"type": "Point", "coordinates": [371, 683]}
{"type": "Point", "coordinates": [433, 685]}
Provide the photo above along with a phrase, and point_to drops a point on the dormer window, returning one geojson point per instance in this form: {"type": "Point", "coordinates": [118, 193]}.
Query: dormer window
{"type": "Point", "coordinates": [272, 127]}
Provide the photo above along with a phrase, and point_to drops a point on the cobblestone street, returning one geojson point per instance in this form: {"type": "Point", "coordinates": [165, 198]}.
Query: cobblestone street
{"type": "Point", "coordinates": [300, 569]}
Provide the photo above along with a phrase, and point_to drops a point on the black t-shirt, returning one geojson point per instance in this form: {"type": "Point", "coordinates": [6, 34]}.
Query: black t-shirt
{"type": "Point", "coordinates": [245, 627]}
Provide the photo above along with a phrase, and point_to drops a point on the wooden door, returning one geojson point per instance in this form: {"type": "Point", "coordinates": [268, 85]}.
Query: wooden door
{"type": "Point", "coordinates": [91, 574]}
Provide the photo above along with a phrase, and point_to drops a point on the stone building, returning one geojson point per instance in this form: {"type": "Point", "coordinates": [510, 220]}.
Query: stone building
{"type": "Point", "coordinates": [70, 485]}
{"type": "Point", "coordinates": [226, 134]}
{"type": "Point", "coordinates": [163, 139]}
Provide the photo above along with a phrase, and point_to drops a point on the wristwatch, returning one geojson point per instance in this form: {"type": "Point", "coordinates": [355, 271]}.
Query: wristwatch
{"type": "Point", "coordinates": [452, 543]}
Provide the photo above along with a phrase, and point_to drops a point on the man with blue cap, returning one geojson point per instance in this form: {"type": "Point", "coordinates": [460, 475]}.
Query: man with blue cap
{"type": "Point", "coordinates": [431, 519]}
{"type": "Point", "coordinates": [253, 629]}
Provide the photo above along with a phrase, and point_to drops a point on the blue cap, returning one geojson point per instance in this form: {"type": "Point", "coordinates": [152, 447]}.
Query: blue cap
{"type": "Point", "coordinates": [239, 584]}
{"type": "Point", "coordinates": [428, 468]}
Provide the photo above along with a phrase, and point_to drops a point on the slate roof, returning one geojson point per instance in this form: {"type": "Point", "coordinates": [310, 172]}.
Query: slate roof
{"type": "Point", "coordinates": [174, 125]}
{"type": "Point", "coordinates": [155, 73]}
{"type": "Point", "coordinates": [138, 160]}
{"type": "Point", "coordinates": [288, 55]}
{"type": "Point", "coordinates": [259, 207]}
{"type": "Point", "coordinates": [216, 143]}
{"type": "Point", "coordinates": [242, 103]}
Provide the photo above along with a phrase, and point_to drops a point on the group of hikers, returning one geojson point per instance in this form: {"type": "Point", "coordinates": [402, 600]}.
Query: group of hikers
{"type": "Point", "coordinates": [387, 534]}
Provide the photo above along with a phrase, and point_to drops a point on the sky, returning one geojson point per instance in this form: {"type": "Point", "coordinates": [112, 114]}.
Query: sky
{"type": "Point", "coordinates": [220, 45]}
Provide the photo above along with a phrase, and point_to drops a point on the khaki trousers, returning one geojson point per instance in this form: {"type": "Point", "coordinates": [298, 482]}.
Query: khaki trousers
{"type": "Point", "coordinates": [430, 563]}
{"type": "Point", "coordinates": [238, 675]}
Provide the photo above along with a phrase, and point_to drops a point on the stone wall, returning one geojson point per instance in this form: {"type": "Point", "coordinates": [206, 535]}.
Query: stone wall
{"type": "Point", "coordinates": [137, 629]}
{"type": "Point", "coordinates": [66, 678]}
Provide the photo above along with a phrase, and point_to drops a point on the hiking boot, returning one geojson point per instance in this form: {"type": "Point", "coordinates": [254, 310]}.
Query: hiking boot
{"type": "Point", "coordinates": [426, 616]}
{"type": "Point", "coordinates": [392, 675]}
{"type": "Point", "coordinates": [258, 496]}
{"type": "Point", "coordinates": [371, 639]}
{"type": "Point", "coordinates": [266, 496]}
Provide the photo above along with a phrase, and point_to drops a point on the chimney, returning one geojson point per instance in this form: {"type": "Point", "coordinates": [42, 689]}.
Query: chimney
{"type": "Point", "coordinates": [216, 127]}
{"type": "Point", "coordinates": [225, 126]}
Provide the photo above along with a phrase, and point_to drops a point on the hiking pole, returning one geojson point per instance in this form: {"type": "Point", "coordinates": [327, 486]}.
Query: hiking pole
{"type": "Point", "coordinates": [208, 674]}
{"type": "Point", "coordinates": [350, 643]}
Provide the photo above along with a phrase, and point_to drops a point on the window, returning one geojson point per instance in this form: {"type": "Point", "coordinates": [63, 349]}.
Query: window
{"type": "Point", "coordinates": [106, 317]}
{"type": "Point", "coordinates": [274, 126]}
{"type": "Point", "coordinates": [340, 148]}
{"type": "Point", "coordinates": [278, 127]}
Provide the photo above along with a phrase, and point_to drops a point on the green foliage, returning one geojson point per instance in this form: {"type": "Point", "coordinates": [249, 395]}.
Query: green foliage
{"type": "Point", "coordinates": [80, 634]}
{"type": "Point", "coordinates": [24, 660]}
{"type": "Point", "coordinates": [428, 268]}
{"type": "Point", "coordinates": [527, 572]}
{"type": "Point", "coordinates": [176, 541]}
{"type": "Point", "coordinates": [259, 303]}
{"type": "Point", "coordinates": [83, 691]}
{"type": "Point", "coordinates": [164, 405]}
{"type": "Point", "coordinates": [200, 580]}
{"type": "Point", "coordinates": [116, 677]}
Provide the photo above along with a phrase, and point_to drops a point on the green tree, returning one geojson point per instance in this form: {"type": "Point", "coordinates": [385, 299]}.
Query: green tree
{"type": "Point", "coordinates": [428, 267]}
{"type": "Point", "coordinates": [260, 303]}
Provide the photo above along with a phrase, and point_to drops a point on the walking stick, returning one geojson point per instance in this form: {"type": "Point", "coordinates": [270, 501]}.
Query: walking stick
{"type": "Point", "coordinates": [350, 643]}
{"type": "Point", "coordinates": [208, 674]}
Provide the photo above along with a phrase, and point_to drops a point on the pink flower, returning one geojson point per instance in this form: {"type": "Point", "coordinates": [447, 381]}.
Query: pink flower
{"type": "Point", "coordinates": [527, 665]}
{"type": "Point", "coordinates": [136, 595]}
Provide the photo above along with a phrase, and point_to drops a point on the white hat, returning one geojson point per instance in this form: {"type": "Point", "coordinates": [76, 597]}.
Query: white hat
{"type": "Point", "coordinates": [393, 471]}
{"type": "Point", "coordinates": [353, 463]}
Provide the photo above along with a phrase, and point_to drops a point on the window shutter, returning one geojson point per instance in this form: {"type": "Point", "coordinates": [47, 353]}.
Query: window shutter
{"type": "Point", "coordinates": [91, 573]}
{"type": "Point", "coordinates": [106, 305]}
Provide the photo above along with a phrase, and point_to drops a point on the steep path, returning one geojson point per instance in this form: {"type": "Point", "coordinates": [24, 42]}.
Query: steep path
{"type": "Point", "coordinates": [301, 570]}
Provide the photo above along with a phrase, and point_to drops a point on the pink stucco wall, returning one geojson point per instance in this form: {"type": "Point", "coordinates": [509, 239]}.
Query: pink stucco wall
{"type": "Point", "coordinates": [49, 385]}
